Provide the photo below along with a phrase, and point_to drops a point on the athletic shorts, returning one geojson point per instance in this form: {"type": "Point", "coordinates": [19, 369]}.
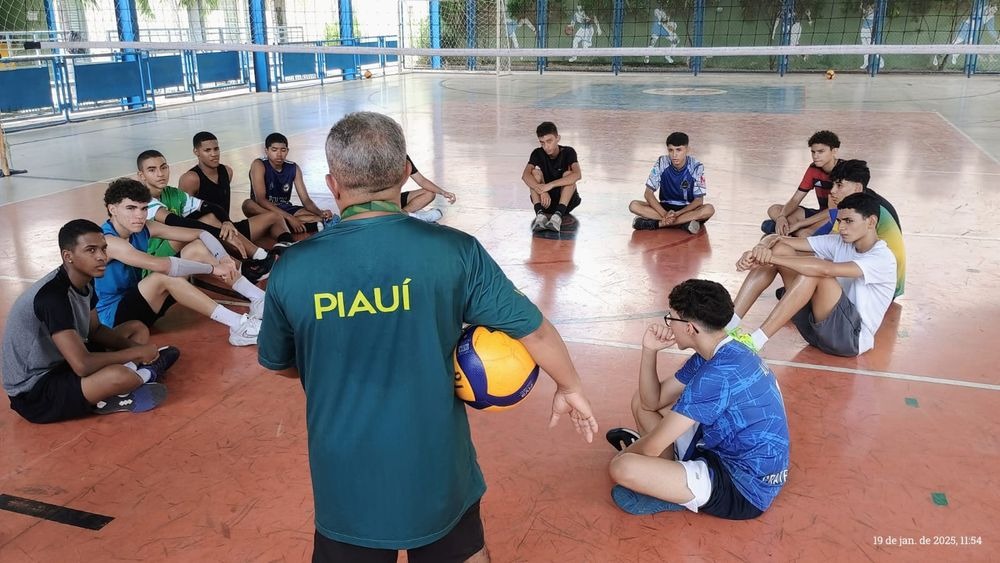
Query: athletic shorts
{"type": "Point", "coordinates": [555, 194]}
{"type": "Point", "coordinates": [56, 396]}
{"type": "Point", "coordinates": [161, 248]}
{"type": "Point", "coordinates": [809, 211]}
{"type": "Point", "coordinates": [134, 307]}
{"type": "Point", "coordinates": [837, 334]}
{"type": "Point", "coordinates": [672, 207]}
{"type": "Point", "coordinates": [462, 542]}
{"type": "Point", "coordinates": [288, 207]}
{"type": "Point", "coordinates": [714, 490]}
{"type": "Point", "coordinates": [403, 198]}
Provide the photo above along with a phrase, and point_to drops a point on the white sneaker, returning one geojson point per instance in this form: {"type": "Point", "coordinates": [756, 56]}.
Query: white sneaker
{"type": "Point", "coordinates": [645, 59]}
{"type": "Point", "coordinates": [694, 227]}
{"type": "Point", "coordinates": [257, 309]}
{"type": "Point", "coordinates": [669, 59]}
{"type": "Point", "coordinates": [934, 61]}
{"type": "Point", "coordinates": [540, 221]}
{"type": "Point", "coordinates": [245, 334]}
{"type": "Point", "coordinates": [428, 215]}
{"type": "Point", "coordinates": [571, 59]}
{"type": "Point", "coordinates": [555, 223]}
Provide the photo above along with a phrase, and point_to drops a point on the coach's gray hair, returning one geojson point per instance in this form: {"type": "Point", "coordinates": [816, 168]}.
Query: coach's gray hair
{"type": "Point", "coordinates": [366, 151]}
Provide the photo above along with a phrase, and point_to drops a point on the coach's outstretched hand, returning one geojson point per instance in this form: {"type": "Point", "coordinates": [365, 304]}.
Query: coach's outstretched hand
{"type": "Point", "coordinates": [577, 407]}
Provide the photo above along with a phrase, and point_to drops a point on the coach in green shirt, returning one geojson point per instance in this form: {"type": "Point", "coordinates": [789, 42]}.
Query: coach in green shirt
{"type": "Point", "coordinates": [367, 314]}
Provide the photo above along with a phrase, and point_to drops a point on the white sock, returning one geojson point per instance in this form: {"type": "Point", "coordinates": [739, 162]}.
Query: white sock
{"type": "Point", "coordinates": [247, 289]}
{"type": "Point", "coordinates": [144, 374]}
{"type": "Point", "coordinates": [259, 254]}
{"type": "Point", "coordinates": [759, 338]}
{"type": "Point", "coordinates": [227, 317]}
{"type": "Point", "coordinates": [733, 322]}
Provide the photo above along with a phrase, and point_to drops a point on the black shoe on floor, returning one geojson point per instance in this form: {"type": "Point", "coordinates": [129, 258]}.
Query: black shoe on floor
{"type": "Point", "coordinates": [621, 438]}
{"type": "Point", "coordinates": [644, 224]}
{"type": "Point", "coordinates": [258, 270]}
{"type": "Point", "coordinates": [168, 356]}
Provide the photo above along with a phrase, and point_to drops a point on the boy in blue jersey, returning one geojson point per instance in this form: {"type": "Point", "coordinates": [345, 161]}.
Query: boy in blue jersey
{"type": "Point", "coordinates": [272, 178]}
{"type": "Point", "coordinates": [675, 191]}
{"type": "Point", "coordinates": [714, 437]}
{"type": "Point", "coordinates": [125, 295]}
{"type": "Point", "coordinates": [371, 334]}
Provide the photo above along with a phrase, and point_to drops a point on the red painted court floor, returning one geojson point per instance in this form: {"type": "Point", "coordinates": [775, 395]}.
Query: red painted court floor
{"type": "Point", "coordinates": [898, 445]}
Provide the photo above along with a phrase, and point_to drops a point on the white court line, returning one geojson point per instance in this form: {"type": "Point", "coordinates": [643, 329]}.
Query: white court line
{"type": "Point", "coordinates": [967, 137]}
{"type": "Point", "coordinates": [907, 235]}
{"type": "Point", "coordinates": [17, 279]}
{"type": "Point", "coordinates": [851, 371]}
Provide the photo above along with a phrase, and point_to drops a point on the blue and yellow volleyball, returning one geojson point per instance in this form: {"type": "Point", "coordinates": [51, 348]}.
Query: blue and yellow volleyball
{"type": "Point", "coordinates": [492, 370]}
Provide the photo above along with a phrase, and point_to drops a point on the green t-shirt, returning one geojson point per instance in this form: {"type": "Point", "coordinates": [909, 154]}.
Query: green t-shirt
{"type": "Point", "coordinates": [370, 311]}
{"type": "Point", "coordinates": [177, 202]}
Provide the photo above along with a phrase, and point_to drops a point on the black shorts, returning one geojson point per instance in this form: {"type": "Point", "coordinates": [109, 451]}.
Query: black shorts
{"type": "Point", "coordinates": [57, 396]}
{"type": "Point", "coordinates": [809, 211]}
{"type": "Point", "coordinates": [243, 227]}
{"type": "Point", "coordinates": [462, 542]}
{"type": "Point", "coordinates": [726, 500]}
{"type": "Point", "coordinates": [672, 207]}
{"type": "Point", "coordinates": [555, 194]}
{"type": "Point", "coordinates": [403, 198]}
{"type": "Point", "coordinates": [134, 307]}
{"type": "Point", "coordinates": [838, 334]}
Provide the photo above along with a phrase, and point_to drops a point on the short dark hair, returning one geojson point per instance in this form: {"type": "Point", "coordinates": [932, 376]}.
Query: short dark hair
{"type": "Point", "coordinates": [275, 138]}
{"type": "Point", "coordinates": [202, 136]}
{"type": "Point", "coordinates": [126, 188]}
{"type": "Point", "coordinates": [703, 301]}
{"type": "Point", "coordinates": [852, 171]}
{"type": "Point", "coordinates": [866, 205]}
{"type": "Point", "coordinates": [146, 155]}
{"type": "Point", "coordinates": [546, 128]}
{"type": "Point", "coordinates": [824, 137]}
{"type": "Point", "coordinates": [678, 139]}
{"type": "Point", "coordinates": [71, 232]}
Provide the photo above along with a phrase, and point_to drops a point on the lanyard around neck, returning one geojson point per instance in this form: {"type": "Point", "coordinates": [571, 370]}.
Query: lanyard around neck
{"type": "Point", "coordinates": [386, 206]}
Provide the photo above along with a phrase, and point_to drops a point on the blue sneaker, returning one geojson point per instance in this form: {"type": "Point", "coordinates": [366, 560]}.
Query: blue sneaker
{"type": "Point", "coordinates": [146, 397]}
{"type": "Point", "coordinates": [639, 504]}
{"type": "Point", "coordinates": [768, 227]}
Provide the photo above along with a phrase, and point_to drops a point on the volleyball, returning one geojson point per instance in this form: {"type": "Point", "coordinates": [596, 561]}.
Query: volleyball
{"type": "Point", "coordinates": [830, 74]}
{"type": "Point", "coordinates": [492, 370]}
{"type": "Point", "coordinates": [368, 74]}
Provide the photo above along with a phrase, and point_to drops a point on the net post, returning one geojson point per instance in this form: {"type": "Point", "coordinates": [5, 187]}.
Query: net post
{"type": "Point", "coordinates": [878, 31]}
{"type": "Point", "coordinates": [435, 17]}
{"type": "Point", "coordinates": [346, 15]}
{"type": "Point", "coordinates": [978, 15]}
{"type": "Point", "coordinates": [617, 30]}
{"type": "Point", "coordinates": [258, 36]}
{"type": "Point", "coordinates": [470, 31]}
{"type": "Point", "coordinates": [542, 25]}
{"type": "Point", "coordinates": [699, 33]}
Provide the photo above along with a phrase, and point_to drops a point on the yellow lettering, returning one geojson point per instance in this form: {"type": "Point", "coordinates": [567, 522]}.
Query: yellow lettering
{"type": "Point", "coordinates": [395, 300]}
{"type": "Point", "coordinates": [361, 304]}
{"type": "Point", "coordinates": [406, 294]}
{"type": "Point", "coordinates": [340, 303]}
{"type": "Point", "coordinates": [331, 304]}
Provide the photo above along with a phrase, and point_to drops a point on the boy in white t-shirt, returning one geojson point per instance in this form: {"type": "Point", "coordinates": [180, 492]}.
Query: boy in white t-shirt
{"type": "Point", "coordinates": [838, 296]}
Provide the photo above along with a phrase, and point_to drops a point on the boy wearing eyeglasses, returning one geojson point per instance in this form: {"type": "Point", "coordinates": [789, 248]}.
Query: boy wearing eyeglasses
{"type": "Point", "coordinates": [714, 437]}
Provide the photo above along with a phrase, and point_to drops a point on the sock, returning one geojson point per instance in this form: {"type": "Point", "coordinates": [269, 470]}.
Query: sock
{"type": "Point", "coordinates": [560, 210]}
{"type": "Point", "coordinates": [733, 322]}
{"type": "Point", "coordinates": [538, 208]}
{"type": "Point", "coordinates": [259, 254]}
{"type": "Point", "coordinates": [759, 338]}
{"type": "Point", "coordinates": [247, 289]}
{"type": "Point", "coordinates": [144, 374]}
{"type": "Point", "coordinates": [285, 237]}
{"type": "Point", "coordinates": [226, 317]}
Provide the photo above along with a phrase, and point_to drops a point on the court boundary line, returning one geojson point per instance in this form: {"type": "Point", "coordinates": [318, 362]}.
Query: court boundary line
{"type": "Point", "coordinates": [784, 363]}
{"type": "Point", "coordinates": [966, 137]}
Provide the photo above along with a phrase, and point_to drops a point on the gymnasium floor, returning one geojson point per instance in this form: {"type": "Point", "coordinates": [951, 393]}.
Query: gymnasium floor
{"type": "Point", "coordinates": [219, 472]}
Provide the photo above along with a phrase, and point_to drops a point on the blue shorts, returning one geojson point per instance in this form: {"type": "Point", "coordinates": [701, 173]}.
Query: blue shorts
{"type": "Point", "coordinates": [657, 30]}
{"type": "Point", "coordinates": [288, 207]}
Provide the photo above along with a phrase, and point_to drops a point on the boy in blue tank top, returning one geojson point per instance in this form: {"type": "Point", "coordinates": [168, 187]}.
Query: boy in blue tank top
{"type": "Point", "coordinates": [272, 178]}
{"type": "Point", "coordinates": [675, 191]}
{"type": "Point", "coordinates": [714, 437]}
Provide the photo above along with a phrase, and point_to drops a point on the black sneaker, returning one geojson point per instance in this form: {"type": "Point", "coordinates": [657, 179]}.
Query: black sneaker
{"type": "Point", "coordinates": [644, 224]}
{"type": "Point", "coordinates": [146, 397]}
{"type": "Point", "coordinates": [621, 438]}
{"type": "Point", "coordinates": [257, 270]}
{"type": "Point", "coordinates": [779, 293]}
{"type": "Point", "coordinates": [159, 366]}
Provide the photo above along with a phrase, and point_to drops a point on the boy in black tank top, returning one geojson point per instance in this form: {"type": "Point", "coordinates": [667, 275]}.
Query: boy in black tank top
{"type": "Point", "coordinates": [198, 182]}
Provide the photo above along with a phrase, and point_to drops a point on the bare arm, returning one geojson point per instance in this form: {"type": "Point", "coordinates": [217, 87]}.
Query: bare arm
{"type": "Point", "coordinates": [695, 203]}
{"type": "Point", "coordinates": [818, 267]}
{"type": "Point", "coordinates": [166, 232]}
{"type": "Point", "coordinates": [430, 186]}
{"type": "Point", "coordinates": [529, 180]}
{"type": "Point", "coordinates": [189, 183]}
{"type": "Point", "coordinates": [654, 202]}
{"type": "Point", "coordinates": [84, 362]}
{"type": "Point", "coordinates": [572, 176]}
{"type": "Point", "coordinates": [816, 220]}
{"type": "Point", "coordinates": [307, 202]}
{"type": "Point", "coordinates": [665, 433]}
